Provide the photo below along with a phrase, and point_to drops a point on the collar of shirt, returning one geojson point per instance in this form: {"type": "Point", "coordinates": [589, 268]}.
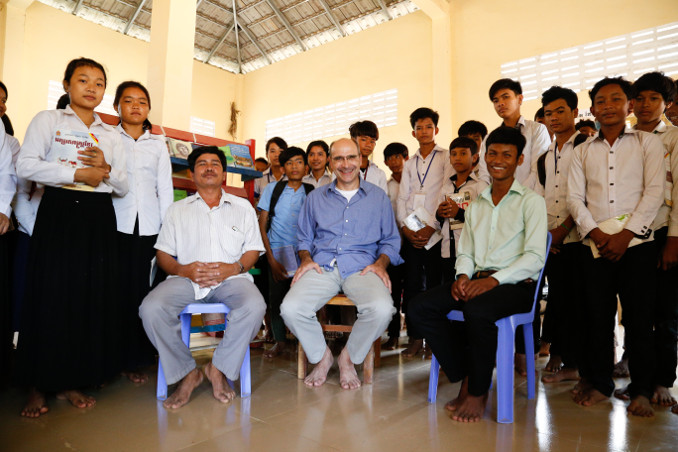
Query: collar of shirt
{"type": "Point", "coordinates": [515, 187]}
{"type": "Point", "coordinates": [436, 148]}
{"type": "Point", "coordinates": [627, 130]}
{"type": "Point", "coordinates": [97, 120]}
{"type": "Point", "coordinates": [554, 144]}
{"type": "Point", "coordinates": [519, 124]}
{"type": "Point", "coordinates": [332, 186]}
{"type": "Point", "coordinates": [224, 199]}
{"type": "Point", "coordinates": [144, 136]}
{"type": "Point", "coordinates": [472, 176]}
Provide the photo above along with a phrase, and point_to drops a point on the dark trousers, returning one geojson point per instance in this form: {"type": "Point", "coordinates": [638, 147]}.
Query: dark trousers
{"type": "Point", "coordinates": [276, 293]}
{"type": "Point", "coordinates": [665, 320]}
{"type": "Point", "coordinates": [468, 348]}
{"type": "Point", "coordinates": [423, 271]}
{"type": "Point", "coordinates": [397, 276]}
{"type": "Point", "coordinates": [633, 277]}
{"type": "Point", "coordinates": [565, 302]}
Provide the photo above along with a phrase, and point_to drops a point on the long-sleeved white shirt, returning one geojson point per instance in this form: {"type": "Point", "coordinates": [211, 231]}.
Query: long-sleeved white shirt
{"type": "Point", "coordinates": [33, 163]}
{"type": "Point", "coordinates": [432, 171]}
{"type": "Point", "coordinates": [27, 200]}
{"type": "Point", "coordinates": [625, 178]}
{"type": "Point", "coordinates": [7, 174]}
{"type": "Point", "coordinates": [668, 212]}
{"type": "Point", "coordinates": [149, 176]}
{"type": "Point", "coordinates": [537, 141]}
{"type": "Point", "coordinates": [555, 191]}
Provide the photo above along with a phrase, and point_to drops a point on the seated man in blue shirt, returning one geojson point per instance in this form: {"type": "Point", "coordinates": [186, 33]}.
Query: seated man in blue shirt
{"type": "Point", "coordinates": [347, 238]}
{"type": "Point", "coordinates": [501, 251]}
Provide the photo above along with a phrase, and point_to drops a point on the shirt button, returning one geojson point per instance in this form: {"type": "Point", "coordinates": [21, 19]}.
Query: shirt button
{"type": "Point", "coordinates": [612, 167]}
{"type": "Point", "coordinates": [556, 201]}
{"type": "Point", "coordinates": [612, 202]}
{"type": "Point", "coordinates": [556, 186]}
{"type": "Point", "coordinates": [346, 221]}
{"type": "Point", "coordinates": [611, 183]}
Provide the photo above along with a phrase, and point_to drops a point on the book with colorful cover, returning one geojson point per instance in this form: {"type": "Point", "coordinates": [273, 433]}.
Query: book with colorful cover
{"type": "Point", "coordinates": [179, 149]}
{"type": "Point", "coordinates": [64, 150]}
{"type": "Point", "coordinates": [238, 155]}
{"type": "Point", "coordinates": [463, 199]}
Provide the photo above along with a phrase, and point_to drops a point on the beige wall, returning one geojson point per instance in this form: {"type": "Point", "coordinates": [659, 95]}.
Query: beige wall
{"type": "Point", "coordinates": [489, 33]}
{"type": "Point", "coordinates": [396, 54]}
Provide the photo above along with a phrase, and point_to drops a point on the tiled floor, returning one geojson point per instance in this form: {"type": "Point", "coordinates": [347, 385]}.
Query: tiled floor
{"type": "Point", "coordinates": [284, 415]}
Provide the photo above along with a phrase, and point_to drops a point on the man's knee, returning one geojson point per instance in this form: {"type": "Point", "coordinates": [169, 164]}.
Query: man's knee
{"type": "Point", "coordinates": [151, 307]}
{"type": "Point", "coordinates": [383, 309]}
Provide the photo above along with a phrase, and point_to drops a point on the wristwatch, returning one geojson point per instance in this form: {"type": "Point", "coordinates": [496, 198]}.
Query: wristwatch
{"type": "Point", "coordinates": [242, 269]}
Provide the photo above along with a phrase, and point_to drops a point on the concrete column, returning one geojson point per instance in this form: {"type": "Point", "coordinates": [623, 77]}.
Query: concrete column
{"type": "Point", "coordinates": [12, 36]}
{"type": "Point", "coordinates": [170, 62]}
{"type": "Point", "coordinates": [440, 12]}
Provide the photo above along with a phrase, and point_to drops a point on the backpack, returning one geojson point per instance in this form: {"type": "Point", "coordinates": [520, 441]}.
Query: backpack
{"type": "Point", "coordinates": [277, 191]}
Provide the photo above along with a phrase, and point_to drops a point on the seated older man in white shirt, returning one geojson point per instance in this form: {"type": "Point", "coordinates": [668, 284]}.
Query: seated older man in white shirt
{"type": "Point", "coordinates": [206, 244]}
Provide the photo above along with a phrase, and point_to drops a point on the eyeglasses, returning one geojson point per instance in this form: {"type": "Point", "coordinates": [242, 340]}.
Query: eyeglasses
{"type": "Point", "coordinates": [349, 158]}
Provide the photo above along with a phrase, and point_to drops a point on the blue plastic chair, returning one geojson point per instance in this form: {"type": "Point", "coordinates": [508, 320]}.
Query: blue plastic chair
{"type": "Point", "coordinates": [185, 316]}
{"type": "Point", "coordinates": [505, 352]}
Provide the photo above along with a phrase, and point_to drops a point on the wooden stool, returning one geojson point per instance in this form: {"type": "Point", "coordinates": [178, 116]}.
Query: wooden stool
{"type": "Point", "coordinates": [373, 356]}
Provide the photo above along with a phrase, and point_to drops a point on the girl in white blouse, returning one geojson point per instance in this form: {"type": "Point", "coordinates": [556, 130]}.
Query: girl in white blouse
{"type": "Point", "coordinates": [139, 215]}
{"type": "Point", "coordinates": [70, 322]}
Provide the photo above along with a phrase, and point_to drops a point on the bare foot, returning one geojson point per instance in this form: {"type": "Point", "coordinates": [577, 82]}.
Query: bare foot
{"type": "Point", "coordinates": [554, 364]}
{"type": "Point", "coordinates": [136, 377]}
{"type": "Point", "coordinates": [414, 348]}
{"type": "Point", "coordinates": [36, 405]}
{"type": "Point", "coordinates": [390, 344]}
{"type": "Point", "coordinates": [277, 349]}
{"type": "Point", "coordinates": [622, 393]}
{"type": "Point", "coordinates": [453, 404]}
{"type": "Point", "coordinates": [640, 406]}
{"type": "Point", "coordinates": [562, 374]}
{"type": "Point", "coordinates": [221, 390]}
{"type": "Point", "coordinates": [470, 409]}
{"type": "Point", "coordinates": [545, 349]}
{"type": "Point", "coordinates": [318, 375]}
{"type": "Point", "coordinates": [621, 369]}
{"type": "Point", "coordinates": [580, 387]}
{"type": "Point", "coordinates": [348, 377]}
{"type": "Point", "coordinates": [662, 396]}
{"type": "Point", "coordinates": [77, 398]}
{"type": "Point", "coordinates": [182, 394]}
{"type": "Point", "coordinates": [520, 364]}
{"type": "Point", "coordinates": [590, 397]}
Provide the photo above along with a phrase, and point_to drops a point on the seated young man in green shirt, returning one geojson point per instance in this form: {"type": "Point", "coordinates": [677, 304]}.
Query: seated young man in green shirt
{"type": "Point", "coordinates": [501, 251]}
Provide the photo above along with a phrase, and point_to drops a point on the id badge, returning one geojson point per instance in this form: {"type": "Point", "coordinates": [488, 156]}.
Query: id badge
{"type": "Point", "coordinates": [419, 200]}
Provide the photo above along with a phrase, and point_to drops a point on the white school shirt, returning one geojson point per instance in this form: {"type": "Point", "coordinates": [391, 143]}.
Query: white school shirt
{"type": "Point", "coordinates": [555, 192]}
{"type": "Point", "coordinates": [474, 186]}
{"type": "Point", "coordinates": [33, 165]}
{"type": "Point", "coordinates": [625, 178]}
{"type": "Point", "coordinates": [393, 187]}
{"type": "Point", "coordinates": [194, 232]}
{"type": "Point", "coordinates": [264, 180]}
{"type": "Point", "coordinates": [149, 176]}
{"type": "Point", "coordinates": [7, 174]}
{"type": "Point", "coordinates": [25, 203]}
{"type": "Point", "coordinates": [537, 141]}
{"type": "Point", "coordinates": [325, 179]}
{"type": "Point", "coordinates": [414, 170]}
{"type": "Point", "coordinates": [668, 212]}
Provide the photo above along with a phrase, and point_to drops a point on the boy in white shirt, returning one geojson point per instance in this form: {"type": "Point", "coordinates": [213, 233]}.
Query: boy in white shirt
{"type": "Point", "coordinates": [366, 134]}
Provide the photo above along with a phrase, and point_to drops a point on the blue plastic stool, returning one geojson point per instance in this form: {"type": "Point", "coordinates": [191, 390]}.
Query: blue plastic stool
{"type": "Point", "coordinates": [185, 316]}
{"type": "Point", "coordinates": [505, 352]}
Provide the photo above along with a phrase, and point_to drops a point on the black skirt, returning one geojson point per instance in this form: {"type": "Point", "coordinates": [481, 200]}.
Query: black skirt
{"type": "Point", "coordinates": [136, 254]}
{"type": "Point", "coordinates": [71, 319]}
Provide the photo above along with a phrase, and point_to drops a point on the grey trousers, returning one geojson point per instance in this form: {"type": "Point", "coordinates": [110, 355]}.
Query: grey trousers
{"type": "Point", "coordinates": [313, 290]}
{"type": "Point", "coordinates": [160, 311]}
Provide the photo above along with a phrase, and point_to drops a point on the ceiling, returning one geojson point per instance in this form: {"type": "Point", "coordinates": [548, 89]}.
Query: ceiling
{"type": "Point", "coordinates": [244, 35]}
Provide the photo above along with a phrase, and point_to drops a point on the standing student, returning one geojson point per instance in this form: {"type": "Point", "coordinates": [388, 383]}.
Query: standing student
{"type": "Point", "coordinates": [139, 215]}
{"type": "Point", "coordinates": [7, 190]}
{"type": "Point", "coordinates": [464, 184]}
{"type": "Point", "coordinates": [587, 127]}
{"type": "Point", "coordinates": [366, 134]}
{"type": "Point", "coordinates": [279, 208]}
{"type": "Point", "coordinates": [422, 178]}
{"type": "Point", "coordinates": [563, 317]}
{"type": "Point", "coordinates": [317, 155]}
{"type": "Point", "coordinates": [474, 130]}
{"type": "Point", "coordinates": [507, 97]}
{"type": "Point", "coordinates": [69, 342]}
{"type": "Point", "coordinates": [261, 164]}
{"type": "Point", "coordinates": [652, 94]}
{"type": "Point", "coordinates": [615, 189]}
{"type": "Point", "coordinates": [274, 173]}
{"type": "Point", "coordinates": [395, 156]}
